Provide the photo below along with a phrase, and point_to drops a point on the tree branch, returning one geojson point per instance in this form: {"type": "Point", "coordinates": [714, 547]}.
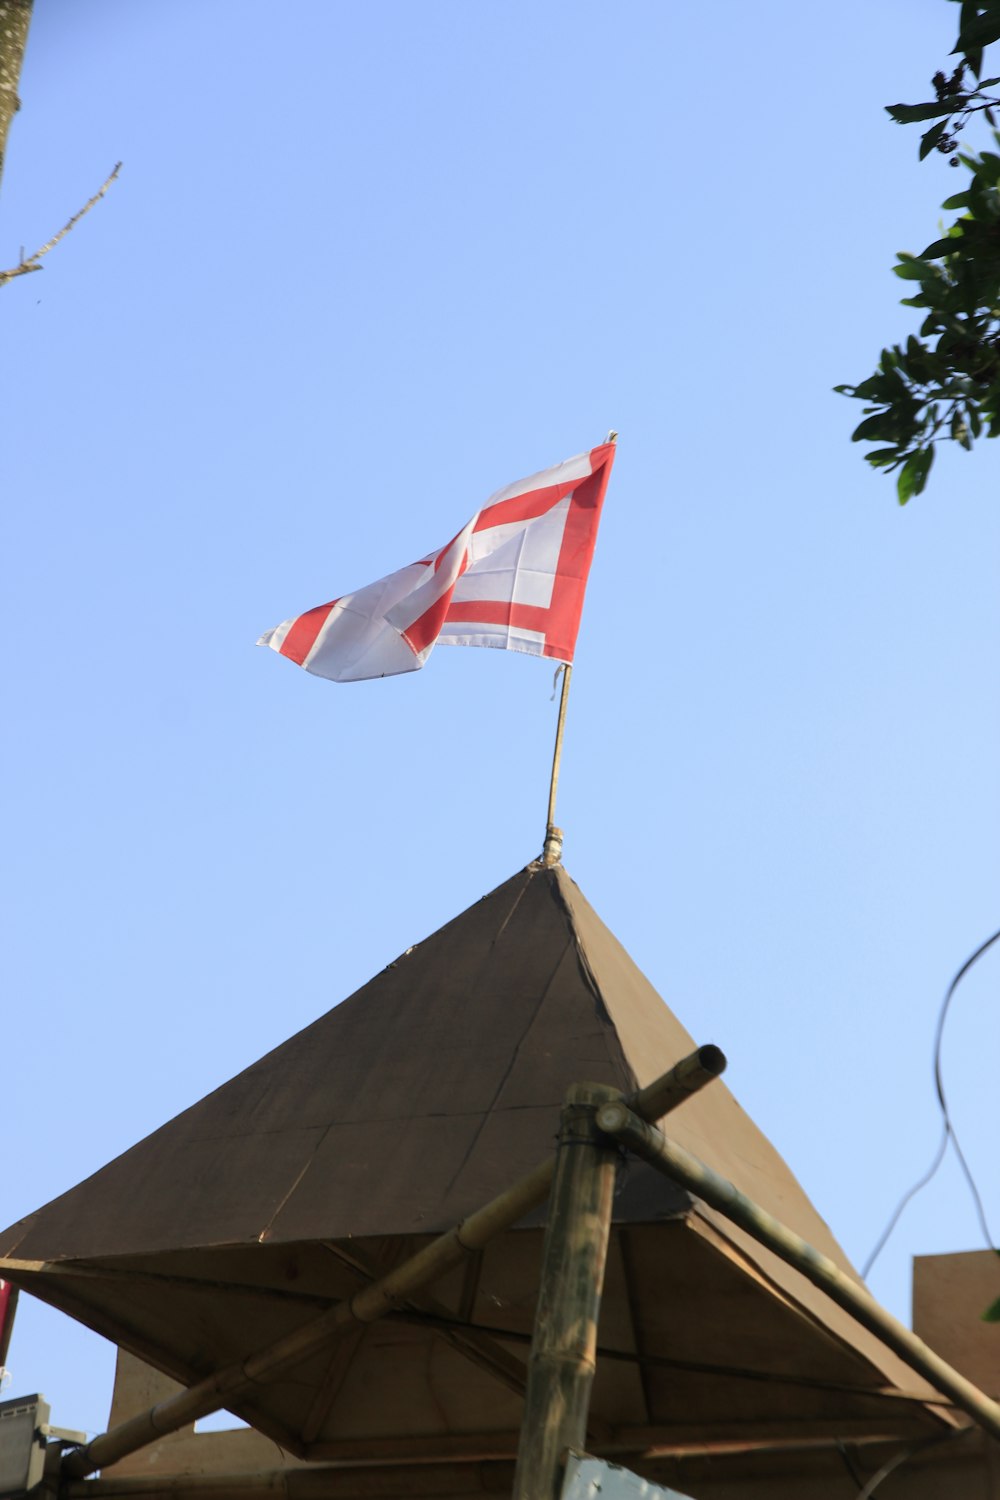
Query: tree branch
{"type": "Point", "coordinates": [15, 18]}
{"type": "Point", "coordinates": [31, 264]}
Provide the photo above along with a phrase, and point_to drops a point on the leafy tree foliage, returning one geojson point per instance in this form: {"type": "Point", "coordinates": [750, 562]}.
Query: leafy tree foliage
{"type": "Point", "coordinates": [945, 384]}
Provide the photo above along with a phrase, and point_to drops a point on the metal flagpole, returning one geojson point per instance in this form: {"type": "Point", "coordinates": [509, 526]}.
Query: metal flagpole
{"type": "Point", "coordinates": [552, 848]}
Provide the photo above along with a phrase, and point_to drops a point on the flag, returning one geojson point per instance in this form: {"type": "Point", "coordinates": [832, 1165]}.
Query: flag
{"type": "Point", "coordinates": [513, 578]}
{"type": "Point", "coordinates": [8, 1303]}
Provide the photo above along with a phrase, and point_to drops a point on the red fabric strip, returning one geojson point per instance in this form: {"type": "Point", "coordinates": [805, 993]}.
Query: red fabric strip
{"type": "Point", "coordinates": [303, 632]}
{"type": "Point", "coordinates": [575, 556]}
{"type": "Point", "coordinates": [496, 612]}
{"type": "Point", "coordinates": [527, 507]}
{"type": "Point", "coordinates": [425, 630]}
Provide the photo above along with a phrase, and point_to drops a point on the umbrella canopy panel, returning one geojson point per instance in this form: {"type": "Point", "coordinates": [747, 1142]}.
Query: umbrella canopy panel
{"type": "Point", "coordinates": [692, 1344]}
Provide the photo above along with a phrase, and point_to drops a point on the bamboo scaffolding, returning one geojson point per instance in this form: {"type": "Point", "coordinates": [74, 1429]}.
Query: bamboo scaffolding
{"type": "Point", "coordinates": [218, 1390]}
{"type": "Point", "coordinates": [326, 1483]}
{"type": "Point", "coordinates": [564, 1348]}
{"type": "Point", "coordinates": [619, 1122]}
{"type": "Point", "coordinates": [488, 1471]}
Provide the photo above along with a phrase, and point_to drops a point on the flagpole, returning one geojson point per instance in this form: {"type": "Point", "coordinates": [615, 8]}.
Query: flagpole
{"type": "Point", "coordinates": [552, 848]}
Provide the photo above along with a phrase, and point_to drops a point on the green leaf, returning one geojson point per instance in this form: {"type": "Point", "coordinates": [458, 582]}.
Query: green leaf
{"type": "Point", "coordinates": [878, 426]}
{"type": "Point", "coordinates": [978, 33]}
{"type": "Point", "coordinates": [992, 1313]}
{"type": "Point", "coordinates": [912, 269]}
{"type": "Point", "coordinates": [871, 389]}
{"type": "Point", "coordinates": [990, 408]}
{"type": "Point", "coordinates": [957, 200]}
{"type": "Point", "coordinates": [880, 457]}
{"type": "Point", "coordinates": [930, 138]}
{"type": "Point", "coordinates": [950, 245]}
{"type": "Point", "coordinates": [913, 474]}
{"type": "Point", "coordinates": [968, 16]}
{"type": "Point", "coordinates": [909, 114]}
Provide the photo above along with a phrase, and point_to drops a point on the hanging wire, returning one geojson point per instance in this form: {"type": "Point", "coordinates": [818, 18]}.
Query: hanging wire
{"type": "Point", "coordinates": [939, 1085]}
{"type": "Point", "coordinates": [897, 1214]}
{"type": "Point", "coordinates": [948, 1129]}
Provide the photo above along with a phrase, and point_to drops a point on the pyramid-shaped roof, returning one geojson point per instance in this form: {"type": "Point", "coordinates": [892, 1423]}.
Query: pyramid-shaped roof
{"type": "Point", "coordinates": [413, 1102]}
{"type": "Point", "coordinates": [395, 1115]}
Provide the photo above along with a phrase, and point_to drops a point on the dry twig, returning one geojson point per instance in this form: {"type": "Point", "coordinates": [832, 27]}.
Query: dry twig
{"type": "Point", "coordinates": [31, 264]}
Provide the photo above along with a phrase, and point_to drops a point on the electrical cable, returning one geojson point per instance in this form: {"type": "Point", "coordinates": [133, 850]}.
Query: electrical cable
{"type": "Point", "coordinates": [897, 1213]}
{"type": "Point", "coordinates": [939, 1084]}
{"type": "Point", "coordinates": [948, 1131]}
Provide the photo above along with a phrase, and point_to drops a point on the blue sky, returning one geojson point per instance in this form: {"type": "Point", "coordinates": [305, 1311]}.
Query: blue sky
{"type": "Point", "coordinates": [364, 265]}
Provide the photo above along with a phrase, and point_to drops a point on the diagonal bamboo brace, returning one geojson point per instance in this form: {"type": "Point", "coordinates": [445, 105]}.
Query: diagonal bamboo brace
{"type": "Point", "coordinates": [366, 1306]}
{"type": "Point", "coordinates": [619, 1122]}
{"type": "Point", "coordinates": [219, 1389]}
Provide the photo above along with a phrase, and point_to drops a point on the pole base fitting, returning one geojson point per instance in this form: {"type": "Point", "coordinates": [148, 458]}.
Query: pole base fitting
{"type": "Point", "coordinates": [552, 848]}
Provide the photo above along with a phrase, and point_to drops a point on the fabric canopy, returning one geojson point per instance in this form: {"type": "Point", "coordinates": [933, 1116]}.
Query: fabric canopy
{"type": "Point", "coordinates": [394, 1116]}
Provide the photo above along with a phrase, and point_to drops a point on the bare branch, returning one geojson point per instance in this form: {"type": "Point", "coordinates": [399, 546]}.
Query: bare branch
{"type": "Point", "coordinates": [31, 264]}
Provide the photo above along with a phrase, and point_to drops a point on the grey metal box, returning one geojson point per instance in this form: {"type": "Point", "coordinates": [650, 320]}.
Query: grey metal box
{"type": "Point", "coordinates": [22, 1443]}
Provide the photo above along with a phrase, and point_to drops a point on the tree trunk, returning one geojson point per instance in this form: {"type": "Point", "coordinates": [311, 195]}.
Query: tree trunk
{"type": "Point", "coordinates": [15, 18]}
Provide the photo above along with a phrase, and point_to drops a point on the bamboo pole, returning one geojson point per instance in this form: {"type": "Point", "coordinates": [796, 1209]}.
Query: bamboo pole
{"type": "Point", "coordinates": [618, 1121]}
{"type": "Point", "coordinates": [692, 1073]}
{"type": "Point", "coordinates": [564, 1348]}
{"type": "Point", "coordinates": [372, 1302]}
{"type": "Point", "coordinates": [437, 1476]}
{"type": "Point", "coordinates": [485, 1468]}
{"type": "Point", "coordinates": [435, 1480]}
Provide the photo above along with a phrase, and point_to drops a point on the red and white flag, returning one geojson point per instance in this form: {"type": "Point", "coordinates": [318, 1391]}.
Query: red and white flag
{"type": "Point", "coordinates": [513, 578]}
{"type": "Point", "coordinates": [8, 1303]}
